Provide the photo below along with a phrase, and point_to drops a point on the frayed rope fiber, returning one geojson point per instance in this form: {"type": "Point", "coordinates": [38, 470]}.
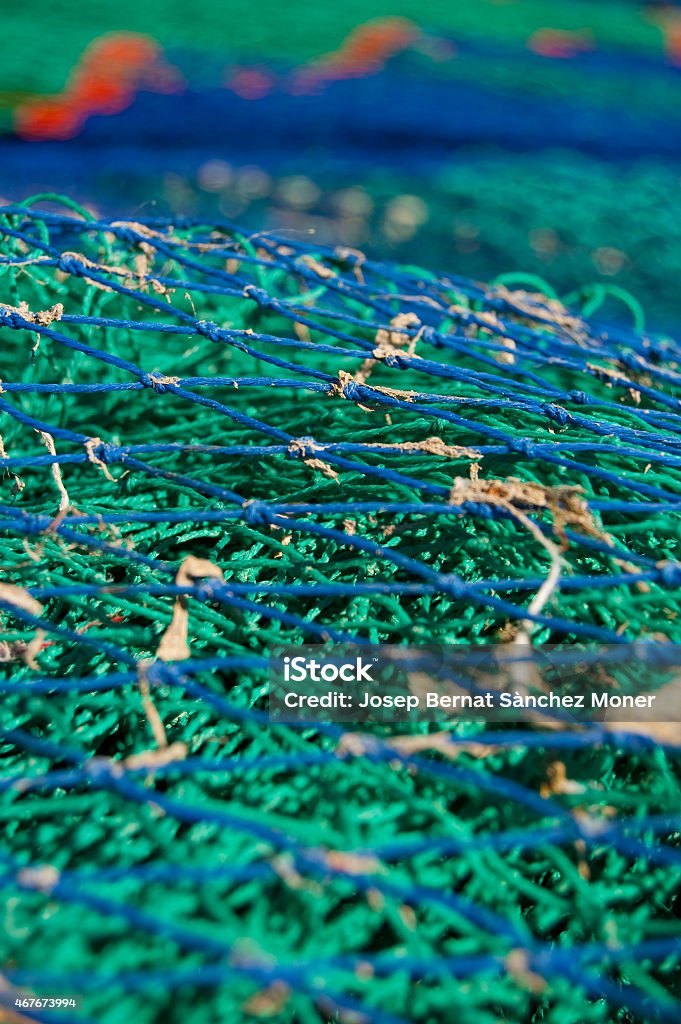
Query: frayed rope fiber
{"type": "Point", "coordinates": [213, 443]}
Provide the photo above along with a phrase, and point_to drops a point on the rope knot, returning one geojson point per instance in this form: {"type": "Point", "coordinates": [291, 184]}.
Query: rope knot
{"type": "Point", "coordinates": [431, 337]}
{"type": "Point", "coordinates": [209, 329]}
{"type": "Point", "coordinates": [351, 391]}
{"type": "Point", "coordinates": [258, 295]}
{"type": "Point", "coordinates": [158, 382]}
{"type": "Point", "coordinates": [670, 574]}
{"type": "Point", "coordinates": [523, 446]}
{"type": "Point", "coordinates": [108, 452]}
{"type": "Point", "coordinates": [126, 234]}
{"type": "Point", "coordinates": [579, 397]}
{"type": "Point", "coordinates": [256, 513]}
{"type": "Point", "coordinates": [302, 447]}
{"type": "Point", "coordinates": [455, 585]}
{"type": "Point", "coordinates": [103, 453]}
{"type": "Point", "coordinates": [558, 414]}
{"type": "Point", "coordinates": [71, 265]}
{"type": "Point", "coordinates": [10, 317]}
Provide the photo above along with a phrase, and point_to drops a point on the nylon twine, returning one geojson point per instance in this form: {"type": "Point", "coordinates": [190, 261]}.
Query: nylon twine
{"type": "Point", "coordinates": [213, 443]}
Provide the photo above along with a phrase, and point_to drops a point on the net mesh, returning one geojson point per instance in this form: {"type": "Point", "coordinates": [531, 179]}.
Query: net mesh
{"type": "Point", "coordinates": [213, 443]}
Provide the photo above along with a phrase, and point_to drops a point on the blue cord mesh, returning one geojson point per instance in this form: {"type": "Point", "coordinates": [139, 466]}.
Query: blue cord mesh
{"type": "Point", "coordinates": [234, 442]}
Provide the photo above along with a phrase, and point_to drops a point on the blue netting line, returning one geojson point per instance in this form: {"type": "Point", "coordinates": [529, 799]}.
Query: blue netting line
{"type": "Point", "coordinates": [494, 373]}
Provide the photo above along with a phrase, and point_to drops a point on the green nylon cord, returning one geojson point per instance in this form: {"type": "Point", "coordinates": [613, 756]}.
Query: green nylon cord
{"type": "Point", "coordinates": [560, 893]}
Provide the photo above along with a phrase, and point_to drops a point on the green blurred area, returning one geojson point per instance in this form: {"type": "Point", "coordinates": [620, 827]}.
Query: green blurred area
{"type": "Point", "coordinates": [289, 32]}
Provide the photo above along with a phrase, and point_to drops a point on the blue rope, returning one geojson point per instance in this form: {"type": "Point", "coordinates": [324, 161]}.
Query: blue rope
{"type": "Point", "coordinates": [344, 311]}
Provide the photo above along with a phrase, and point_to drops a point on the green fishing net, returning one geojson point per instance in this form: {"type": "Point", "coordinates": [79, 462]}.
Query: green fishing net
{"type": "Point", "coordinates": [214, 443]}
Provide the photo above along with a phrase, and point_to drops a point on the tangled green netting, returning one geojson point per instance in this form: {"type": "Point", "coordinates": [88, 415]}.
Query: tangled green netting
{"type": "Point", "coordinates": [219, 443]}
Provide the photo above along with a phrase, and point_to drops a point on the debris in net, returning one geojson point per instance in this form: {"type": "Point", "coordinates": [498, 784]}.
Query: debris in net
{"type": "Point", "coordinates": [174, 644]}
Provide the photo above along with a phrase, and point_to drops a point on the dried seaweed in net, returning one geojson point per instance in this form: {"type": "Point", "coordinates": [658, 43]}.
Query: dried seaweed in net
{"type": "Point", "coordinates": [213, 443]}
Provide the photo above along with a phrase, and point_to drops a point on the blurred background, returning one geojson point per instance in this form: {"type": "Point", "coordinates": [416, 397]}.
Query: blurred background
{"type": "Point", "coordinates": [515, 137]}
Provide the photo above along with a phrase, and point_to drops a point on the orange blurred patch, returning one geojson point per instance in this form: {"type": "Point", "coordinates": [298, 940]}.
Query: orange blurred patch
{"type": "Point", "coordinates": [365, 50]}
{"type": "Point", "coordinates": [550, 42]}
{"type": "Point", "coordinates": [110, 72]}
{"type": "Point", "coordinates": [250, 83]}
{"type": "Point", "coordinates": [669, 22]}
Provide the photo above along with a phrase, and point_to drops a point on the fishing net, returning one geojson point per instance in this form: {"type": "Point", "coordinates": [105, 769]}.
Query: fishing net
{"type": "Point", "coordinates": [215, 443]}
{"type": "Point", "coordinates": [623, 232]}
